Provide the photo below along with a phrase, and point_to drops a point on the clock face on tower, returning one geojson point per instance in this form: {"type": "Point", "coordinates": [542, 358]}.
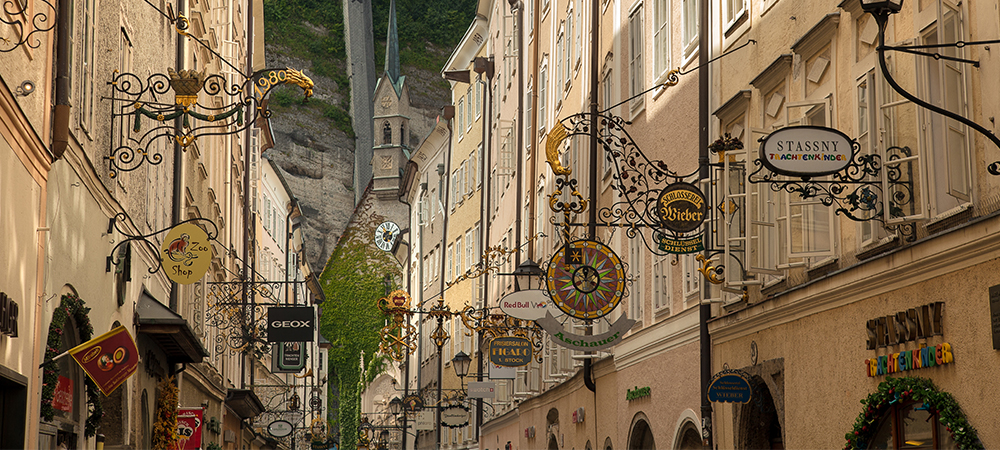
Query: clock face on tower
{"type": "Point", "coordinates": [386, 235]}
{"type": "Point", "coordinates": [586, 279]}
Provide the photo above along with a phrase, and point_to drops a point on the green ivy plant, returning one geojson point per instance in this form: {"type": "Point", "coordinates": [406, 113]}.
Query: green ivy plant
{"type": "Point", "coordinates": [894, 390]}
{"type": "Point", "coordinates": [70, 305]}
{"type": "Point", "coordinates": [353, 281]}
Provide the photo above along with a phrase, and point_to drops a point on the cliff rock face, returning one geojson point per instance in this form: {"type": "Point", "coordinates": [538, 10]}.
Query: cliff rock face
{"type": "Point", "coordinates": [317, 159]}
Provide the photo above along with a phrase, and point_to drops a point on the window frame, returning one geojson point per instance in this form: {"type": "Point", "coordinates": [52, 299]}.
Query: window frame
{"type": "Point", "coordinates": [635, 63]}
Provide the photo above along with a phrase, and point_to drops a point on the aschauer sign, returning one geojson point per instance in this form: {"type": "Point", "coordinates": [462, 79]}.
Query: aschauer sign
{"type": "Point", "coordinates": [806, 151]}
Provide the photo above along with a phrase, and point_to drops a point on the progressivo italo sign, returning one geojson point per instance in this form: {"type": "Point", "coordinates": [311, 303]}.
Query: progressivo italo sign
{"type": "Point", "coordinates": [806, 151]}
{"type": "Point", "coordinates": [290, 324]}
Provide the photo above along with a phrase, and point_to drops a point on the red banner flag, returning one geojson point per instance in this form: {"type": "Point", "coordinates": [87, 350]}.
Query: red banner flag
{"type": "Point", "coordinates": [189, 425]}
{"type": "Point", "coordinates": [108, 359]}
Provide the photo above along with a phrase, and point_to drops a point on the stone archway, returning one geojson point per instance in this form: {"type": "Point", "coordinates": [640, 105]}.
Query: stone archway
{"type": "Point", "coordinates": [759, 427]}
{"type": "Point", "coordinates": [641, 435]}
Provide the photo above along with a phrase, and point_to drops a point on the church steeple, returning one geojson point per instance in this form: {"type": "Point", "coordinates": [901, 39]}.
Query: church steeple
{"type": "Point", "coordinates": [392, 46]}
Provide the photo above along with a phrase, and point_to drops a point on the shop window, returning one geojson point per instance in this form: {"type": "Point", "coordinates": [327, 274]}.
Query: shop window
{"type": "Point", "coordinates": [911, 426]}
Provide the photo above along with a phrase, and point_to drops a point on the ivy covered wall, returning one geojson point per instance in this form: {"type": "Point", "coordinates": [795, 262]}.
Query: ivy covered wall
{"type": "Point", "coordinates": [353, 282]}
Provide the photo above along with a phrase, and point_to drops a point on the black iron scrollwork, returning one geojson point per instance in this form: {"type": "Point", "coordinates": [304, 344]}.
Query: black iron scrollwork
{"type": "Point", "coordinates": [856, 192]}
{"type": "Point", "coordinates": [242, 325]}
{"type": "Point", "coordinates": [16, 15]}
{"type": "Point", "coordinates": [118, 221]}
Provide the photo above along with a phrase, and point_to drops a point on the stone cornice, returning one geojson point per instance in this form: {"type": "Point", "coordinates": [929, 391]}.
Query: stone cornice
{"type": "Point", "coordinates": [23, 139]}
{"type": "Point", "coordinates": [675, 331]}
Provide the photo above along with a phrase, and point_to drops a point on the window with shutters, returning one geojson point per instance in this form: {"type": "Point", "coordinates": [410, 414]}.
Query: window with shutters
{"type": "Point", "coordinates": [661, 38]}
{"type": "Point", "coordinates": [635, 74]}
{"type": "Point", "coordinates": [542, 99]}
{"type": "Point", "coordinates": [690, 24]}
{"type": "Point", "coordinates": [662, 274]}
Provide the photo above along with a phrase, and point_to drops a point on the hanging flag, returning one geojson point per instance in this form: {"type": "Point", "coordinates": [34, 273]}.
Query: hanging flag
{"type": "Point", "coordinates": [108, 359]}
{"type": "Point", "coordinates": [189, 424]}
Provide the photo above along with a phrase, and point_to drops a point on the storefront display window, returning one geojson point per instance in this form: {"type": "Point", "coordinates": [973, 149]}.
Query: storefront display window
{"type": "Point", "coordinates": [911, 426]}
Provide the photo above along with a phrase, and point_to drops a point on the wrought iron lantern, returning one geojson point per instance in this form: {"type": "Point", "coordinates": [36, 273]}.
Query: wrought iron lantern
{"type": "Point", "coordinates": [881, 6]}
{"type": "Point", "coordinates": [461, 362]}
{"type": "Point", "coordinates": [395, 406]}
{"type": "Point", "coordinates": [528, 275]}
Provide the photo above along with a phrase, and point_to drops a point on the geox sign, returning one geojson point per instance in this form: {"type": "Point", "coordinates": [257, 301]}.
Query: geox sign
{"type": "Point", "coordinates": [290, 324]}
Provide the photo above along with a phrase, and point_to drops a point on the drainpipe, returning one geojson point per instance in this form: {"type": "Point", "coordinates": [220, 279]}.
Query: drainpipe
{"type": "Point", "coordinates": [705, 309]}
{"type": "Point", "coordinates": [60, 116]}
{"type": "Point", "coordinates": [595, 6]}
{"type": "Point", "coordinates": [483, 66]}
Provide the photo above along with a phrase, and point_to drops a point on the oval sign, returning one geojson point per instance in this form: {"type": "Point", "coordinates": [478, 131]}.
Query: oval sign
{"type": "Point", "coordinates": [806, 151]}
{"type": "Point", "coordinates": [729, 388]}
{"type": "Point", "coordinates": [525, 305]}
{"type": "Point", "coordinates": [280, 428]}
{"type": "Point", "coordinates": [681, 207]}
{"type": "Point", "coordinates": [455, 416]}
{"type": "Point", "coordinates": [186, 253]}
{"type": "Point", "coordinates": [510, 351]}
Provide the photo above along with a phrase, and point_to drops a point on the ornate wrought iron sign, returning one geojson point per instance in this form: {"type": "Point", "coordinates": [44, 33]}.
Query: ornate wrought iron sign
{"type": "Point", "coordinates": [186, 253]}
{"type": "Point", "coordinates": [455, 416]}
{"type": "Point", "coordinates": [585, 343]}
{"type": "Point", "coordinates": [398, 334]}
{"type": "Point", "coordinates": [16, 17]}
{"type": "Point", "coordinates": [510, 351]}
{"type": "Point", "coordinates": [807, 151]}
{"type": "Point", "coordinates": [525, 305]}
{"type": "Point", "coordinates": [143, 116]}
{"type": "Point", "coordinates": [730, 386]}
{"type": "Point", "coordinates": [681, 207]}
{"type": "Point", "coordinates": [586, 279]}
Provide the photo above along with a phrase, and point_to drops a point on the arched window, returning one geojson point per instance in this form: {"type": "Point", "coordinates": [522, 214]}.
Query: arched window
{"type": "Point", "coordinates": [911, 426]}
{"type": "Point", "coordinates": [402, 133]}
{"type": "Point", "coordinates": [386, 133]}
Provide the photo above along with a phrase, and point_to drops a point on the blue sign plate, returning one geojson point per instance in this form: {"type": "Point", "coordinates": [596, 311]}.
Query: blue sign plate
{"type": "Point", "coordinates": [729, 388]}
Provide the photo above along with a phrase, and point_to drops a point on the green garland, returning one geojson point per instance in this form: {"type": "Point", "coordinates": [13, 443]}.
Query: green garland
{"type": "Point", "coordinates": [352, 282]}
{"type": "Point", "coordinates": [894, 390]}
{"type": "Point", "coordinates": [71, 305]}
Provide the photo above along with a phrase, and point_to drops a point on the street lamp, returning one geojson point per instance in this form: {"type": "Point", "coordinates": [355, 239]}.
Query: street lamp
{"type": "Point", "coordinates": [527, 276]}
{"type": "Point", "coordinates": [880, 11]}
{"type": "Point", "coordinates": [395, 406]}
{"type": "Point", "coordinates": [881, 6]}
{"type": "Point", "coordinates": [461, 363]}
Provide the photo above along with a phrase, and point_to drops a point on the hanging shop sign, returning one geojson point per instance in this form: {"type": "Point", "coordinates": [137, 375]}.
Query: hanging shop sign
{"type": "Point", "coordinates": [730, 386]}
{"type": "Point", "coordinates": [637, 393]}
{"type": "Point", "coordinates": [413, 403]}
{"type": "Point", "coordinates": [806, 151]}
{"type": "Point", "coordinates": [511, 351]}
{"type": "Point", "coordinates": [583, 342]}
{"type": "Point", "coordinates": [288, 357]}
{"type": "Point", "coordinates": [681, 207]}
{"type": "Point", "coordinates": [578, 415]}
{"type": "Point", "coordinates": [62, 398]}
{"type": "Point", "coordinates": [108, 359]}
{"type": "Point", "coordinates": [525, 305]}
{"type": "Point", "coordinates": [456, 416]}
{"type": "Point", "coordinates": [995, 315]}
{"type": "Point", "coordinates": [679, 246]}
{"type": "Point", "coordinates": [425, 420]}
{"type": "Point", "coordinates": [385, 236]}
{"type": "Point", "coordinates": [8, 316]}
{"type": "Point", "coordinates": [586, 279]}
{"type": "Point", "coordinates": [280, 428]}
{"type": "Point", "coordinates": [186, 253]}
{"type": "Point", "coordinates": [482, 389]}
{"type": "Point", "coordinates": [498, 372]}
{"type": "Point", "coordinates": [290, 324]}
{"type": "Point", "coordinates": [189, 426]}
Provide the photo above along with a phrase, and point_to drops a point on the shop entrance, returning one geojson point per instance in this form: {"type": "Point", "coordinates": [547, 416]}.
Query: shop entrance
{"type": "Point", "coordinates": [759, 426]}
{"type": "Point", "coordinates": [642, 436]}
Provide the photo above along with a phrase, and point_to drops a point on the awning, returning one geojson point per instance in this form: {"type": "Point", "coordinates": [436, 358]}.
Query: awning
{"type": "Point", "coordinates": [244, 403]}
{"type": "Point", "coordinates": [169, 330]}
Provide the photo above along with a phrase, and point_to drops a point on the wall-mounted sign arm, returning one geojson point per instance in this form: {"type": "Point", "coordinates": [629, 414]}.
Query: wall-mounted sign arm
{"type": "Point", "coordinates": [24, 28]}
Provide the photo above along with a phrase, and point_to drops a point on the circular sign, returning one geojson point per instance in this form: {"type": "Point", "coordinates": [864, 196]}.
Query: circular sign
{"type": "Point", "coordinates": [186, 253]}
{"type": "Point", "coordinates": [586, 279]}
{"type": "Point", "coordinates": [806, 151]}
{"type": "Point", "coordinates": [681, 207]}
{"type": "Point", "coordinates": [455, 416]}
{"type": "Point", "coordinates": [280, 428]}
{"type": "Point", "coordinates": [316, 402]}
{"type": "Point", "coordinates": [385, 236]}
{"type": "Point", "coordinates": [510, 351]}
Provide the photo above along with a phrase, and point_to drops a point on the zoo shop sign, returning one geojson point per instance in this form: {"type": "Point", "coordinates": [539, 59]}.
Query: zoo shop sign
{"type": "Point", "coordinates": [186, 253]}
{"type": "Point", "coordinates": [806, 151]}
